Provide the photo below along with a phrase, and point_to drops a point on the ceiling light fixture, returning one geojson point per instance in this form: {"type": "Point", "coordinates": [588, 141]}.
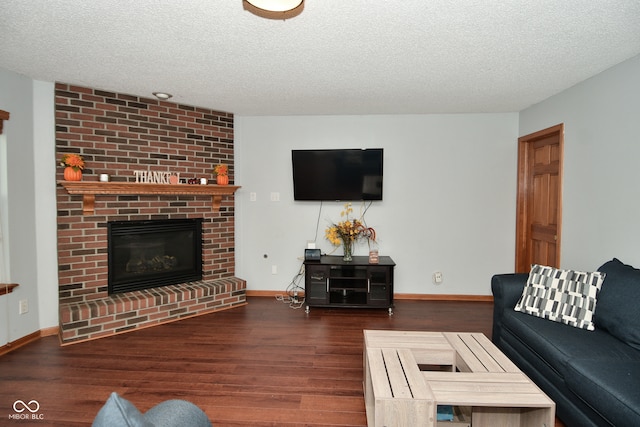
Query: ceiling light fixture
{"type": "Point", "coordinates": [163, 96]}
{"type": "Point", "coordinates": [274, 9]}
{"type": "Point", "coordinates": [275, 5]}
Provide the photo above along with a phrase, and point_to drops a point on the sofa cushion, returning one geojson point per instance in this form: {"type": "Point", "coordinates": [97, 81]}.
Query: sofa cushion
{"type": "Point", "coordinates": [557, 344]}
{"type": "Point", "coordinates": [565, 296]}
{"type": "Point", "coordinates": [610, 387]}
{"type": "Point", "coordinates": [617, 310]}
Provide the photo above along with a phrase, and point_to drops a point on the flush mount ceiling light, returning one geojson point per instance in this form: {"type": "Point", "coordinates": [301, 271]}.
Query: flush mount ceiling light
{"type": "Point", "coordinates": [163, 96]}
{"type": "Point", "coordinates": [274, 9]}
{"type": "Point", "coordinates": [275, 5]}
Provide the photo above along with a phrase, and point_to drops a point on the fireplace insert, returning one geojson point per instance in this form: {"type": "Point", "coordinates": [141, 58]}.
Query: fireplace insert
{"type": "Point", "coordinates": [153, 253]}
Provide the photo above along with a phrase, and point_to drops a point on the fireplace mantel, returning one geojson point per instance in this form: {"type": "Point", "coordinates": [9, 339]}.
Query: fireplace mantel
{"type": "Point", "coordinates": [89, 190]}
{"type": "Point", "coordinates": [4, 115]}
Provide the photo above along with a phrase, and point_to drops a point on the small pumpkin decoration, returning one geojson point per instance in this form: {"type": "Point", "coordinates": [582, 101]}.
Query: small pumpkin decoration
{"type": "Point", "coordinates": [74, 163]}
{"type": "Point", "coordinates": [71, 174]}
{"type": "Point", "coordinates": [222, 177]}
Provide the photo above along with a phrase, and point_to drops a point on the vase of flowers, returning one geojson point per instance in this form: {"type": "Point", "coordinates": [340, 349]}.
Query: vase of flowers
{"type": "Point", "coordinates": [347, 254]}
{"type": "Point", "coordinates": [347, 232]}
{"type": "Point", "coordinates": [74, 164]}
{"type": "Point", "coordinates": [222, 174]}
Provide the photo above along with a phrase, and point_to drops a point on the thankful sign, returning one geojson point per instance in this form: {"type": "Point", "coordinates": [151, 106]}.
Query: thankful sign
{"type": "Point", "coordinates": [155, 177]}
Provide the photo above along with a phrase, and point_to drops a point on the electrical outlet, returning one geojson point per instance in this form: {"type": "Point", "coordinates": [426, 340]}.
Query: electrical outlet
{"type": "Point", "coordinates": [437, 277]}
{"type": "Point", "coordinates": [24, 306]}
{"type": "Point", "coordinates": [274, 269]}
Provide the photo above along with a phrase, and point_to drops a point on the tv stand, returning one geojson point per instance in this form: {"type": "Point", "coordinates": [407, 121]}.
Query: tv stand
{"type": "Point", "coordinates": [333, 282]}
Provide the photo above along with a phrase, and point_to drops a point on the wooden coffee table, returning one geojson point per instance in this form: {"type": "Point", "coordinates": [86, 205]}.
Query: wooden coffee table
{"type": "Point", "coordinates": [408, 374]}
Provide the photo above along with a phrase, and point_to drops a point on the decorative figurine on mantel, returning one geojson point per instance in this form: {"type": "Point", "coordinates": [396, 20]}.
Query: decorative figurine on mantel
{"type": "Point", "coordinates": [73, 163]}
{"type": "Point", "coordinates": [222, 174]}
{"type": "Point", "coordinates": [155, 177]}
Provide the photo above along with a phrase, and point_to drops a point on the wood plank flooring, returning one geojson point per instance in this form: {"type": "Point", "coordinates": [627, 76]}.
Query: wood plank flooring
{"type": "Point", "coordinates": [263, 364]}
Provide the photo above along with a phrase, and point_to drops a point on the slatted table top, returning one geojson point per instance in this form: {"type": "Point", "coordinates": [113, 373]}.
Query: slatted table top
{"type": "Point", "coordinates": [479, 375]}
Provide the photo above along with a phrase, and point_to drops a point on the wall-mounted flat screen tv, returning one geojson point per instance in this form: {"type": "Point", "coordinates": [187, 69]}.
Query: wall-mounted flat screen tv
{"type": "Point", "coordinates": [342, 174]}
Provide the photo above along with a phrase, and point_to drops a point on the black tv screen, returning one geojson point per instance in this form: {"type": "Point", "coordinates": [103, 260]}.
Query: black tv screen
{"type": "Point", "coordinates": [343, 174]}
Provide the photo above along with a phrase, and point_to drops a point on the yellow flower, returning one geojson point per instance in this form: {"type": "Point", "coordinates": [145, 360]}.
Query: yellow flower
{"type": "Point", "coordinates": [332, 236]}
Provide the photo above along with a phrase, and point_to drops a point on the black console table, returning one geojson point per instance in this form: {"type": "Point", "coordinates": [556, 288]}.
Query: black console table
{"type": "Point", "coordinates": [333, 282]}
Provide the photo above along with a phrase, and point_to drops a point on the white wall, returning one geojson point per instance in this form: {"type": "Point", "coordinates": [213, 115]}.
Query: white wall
{"type": "Point", "coordinates": [601, 201]}
{"type": "Point", "coordinates": [449, 196]}
{"type": "Point", "coordinates": [30, 198]}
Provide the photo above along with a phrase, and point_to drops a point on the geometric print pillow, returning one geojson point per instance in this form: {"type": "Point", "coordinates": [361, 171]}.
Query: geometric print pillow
{"type": "Point", "coordinates": [564, 296]}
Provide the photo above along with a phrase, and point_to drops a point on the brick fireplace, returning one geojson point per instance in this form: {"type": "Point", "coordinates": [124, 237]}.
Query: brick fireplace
{"type": "Point", "coordinates": [118, 134]}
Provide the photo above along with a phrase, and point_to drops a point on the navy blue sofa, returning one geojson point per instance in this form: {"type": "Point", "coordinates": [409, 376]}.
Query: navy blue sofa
{"type": "Point", "coordinates": [593, 376]}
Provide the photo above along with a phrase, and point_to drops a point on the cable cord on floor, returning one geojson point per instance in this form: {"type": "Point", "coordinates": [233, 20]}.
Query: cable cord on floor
{"type": "Point", "coordinates": [293, 290]}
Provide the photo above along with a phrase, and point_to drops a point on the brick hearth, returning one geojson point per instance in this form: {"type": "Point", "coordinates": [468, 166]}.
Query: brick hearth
{"type": "Point", "coordinates": [124, 312]}
{"type": "Point", "coordinates": [118, 134]}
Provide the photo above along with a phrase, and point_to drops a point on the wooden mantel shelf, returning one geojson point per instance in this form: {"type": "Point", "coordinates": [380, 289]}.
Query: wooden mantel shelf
{"type": "Point", "coordinates": [89, 190]}
{"type": "Point", "coordinates": [7, 288]}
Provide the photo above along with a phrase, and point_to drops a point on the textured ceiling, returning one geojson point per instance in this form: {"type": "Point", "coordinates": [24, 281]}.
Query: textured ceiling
{"type": "Point", "coordinates": [336, 57]}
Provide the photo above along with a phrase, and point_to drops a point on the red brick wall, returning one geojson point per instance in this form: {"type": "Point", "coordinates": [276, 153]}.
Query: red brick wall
{"type": "Point", "coordinates": [117, 134]}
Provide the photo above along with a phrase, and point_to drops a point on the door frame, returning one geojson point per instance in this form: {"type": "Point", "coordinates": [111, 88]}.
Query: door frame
{"type": "Point", "coordinates": [525, 191]}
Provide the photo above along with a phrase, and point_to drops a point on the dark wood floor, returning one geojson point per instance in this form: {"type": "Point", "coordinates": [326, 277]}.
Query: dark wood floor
{"type": "Point", "coordinates": [263, 364]}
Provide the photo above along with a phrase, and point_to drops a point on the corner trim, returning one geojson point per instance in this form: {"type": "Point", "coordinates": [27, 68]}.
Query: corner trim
{"type": "Point", "coordinates": [13, 345]}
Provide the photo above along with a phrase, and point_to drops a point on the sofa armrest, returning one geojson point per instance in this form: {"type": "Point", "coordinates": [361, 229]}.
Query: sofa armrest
{"type": "Point", "coordinates": [506, 289]}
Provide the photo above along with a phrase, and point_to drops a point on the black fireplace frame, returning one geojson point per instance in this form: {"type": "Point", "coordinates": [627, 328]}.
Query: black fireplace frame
{"type": "Point", "coordinates": [122, 228]}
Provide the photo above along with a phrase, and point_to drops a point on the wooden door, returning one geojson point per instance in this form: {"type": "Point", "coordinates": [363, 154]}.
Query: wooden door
{"type": "Point", "coordinates": [539, 200]}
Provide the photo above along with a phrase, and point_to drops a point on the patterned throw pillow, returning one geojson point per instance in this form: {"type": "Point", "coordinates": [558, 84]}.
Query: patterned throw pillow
{"type": "Point", "coordinates": [564, 296]}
